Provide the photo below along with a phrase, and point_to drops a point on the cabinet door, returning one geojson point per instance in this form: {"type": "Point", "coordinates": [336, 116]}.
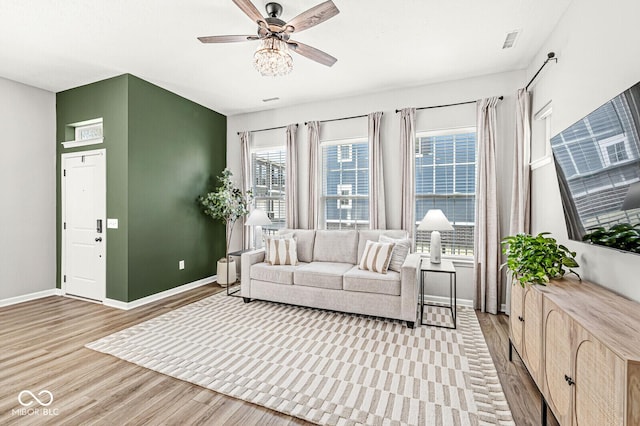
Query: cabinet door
{"type": "Point", "coordinates": [557, 361]}
{"type": "Point", "coordinates": [532, 333]}
{"type": "Point", "coordinates": [599, 382]}
{"type": "Point", "coordinates": [516, 315]}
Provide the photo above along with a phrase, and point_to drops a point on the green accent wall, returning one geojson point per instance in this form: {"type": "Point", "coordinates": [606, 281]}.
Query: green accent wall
{"type": "Point", "coordinates": [175, 146]}
{"type": "Point", "coordinates": [162, 151]}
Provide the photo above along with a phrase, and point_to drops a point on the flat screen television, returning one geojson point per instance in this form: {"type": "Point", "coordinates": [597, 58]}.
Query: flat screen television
{"type": "Point", "coordinates": [598, 165]}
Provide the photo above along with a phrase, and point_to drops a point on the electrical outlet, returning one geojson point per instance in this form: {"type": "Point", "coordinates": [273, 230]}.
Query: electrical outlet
{"type": "Point", "coordinates": [181, 264]}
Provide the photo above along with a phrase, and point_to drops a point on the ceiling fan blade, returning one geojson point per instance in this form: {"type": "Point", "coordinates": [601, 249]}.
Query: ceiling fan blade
{"type": "Point", "coordinates": [227, 38]}
{"type": "Point", "coordinates": [250, 10]}
{"type": "Point", "coordinates": [314, 16]}
{"type": "Point", "coordinates": [312, 53]}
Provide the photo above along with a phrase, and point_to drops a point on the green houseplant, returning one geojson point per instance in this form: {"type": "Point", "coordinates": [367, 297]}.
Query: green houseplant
{"type": "Point", "coordinates": [537, 259]}
{"type": "Point", "coordinates": [623, 236]}
{"type": "Point", "coordinates": [227, 204]}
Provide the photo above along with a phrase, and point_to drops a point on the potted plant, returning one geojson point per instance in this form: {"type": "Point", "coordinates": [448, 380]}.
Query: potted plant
{"type": "Point", "coordinates": [537, 259]}
{"type": "Point", "coordinates": [226, 204]}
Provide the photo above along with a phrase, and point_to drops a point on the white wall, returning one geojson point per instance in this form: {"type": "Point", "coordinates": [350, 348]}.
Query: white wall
{"type": "Point", "coordinates": [597, 49]}
{"type": "Point", "coordinates": [504, 84]}
{"type": "Point", "coordinates": [27, 190]}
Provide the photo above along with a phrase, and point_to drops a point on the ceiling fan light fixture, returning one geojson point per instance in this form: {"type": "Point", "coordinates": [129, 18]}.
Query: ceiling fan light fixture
{"type": "Point", "coordinates": [272, 58]}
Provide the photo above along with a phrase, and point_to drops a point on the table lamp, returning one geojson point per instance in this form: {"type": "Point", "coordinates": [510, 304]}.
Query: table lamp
{"type": "Point", "coordinates": [435, 221]}
{"type": "Point", "coordinates": [257, 218]}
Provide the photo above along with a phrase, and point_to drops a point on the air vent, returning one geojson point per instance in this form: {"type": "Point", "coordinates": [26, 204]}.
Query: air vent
{"type": "Point", "coordinates": [270, 99]}
{"type": "Point", "coordinates": [510, 39]}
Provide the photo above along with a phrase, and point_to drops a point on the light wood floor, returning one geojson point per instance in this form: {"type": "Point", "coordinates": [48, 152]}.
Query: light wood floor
{"type": "Point", "coordinates": [42, 347]}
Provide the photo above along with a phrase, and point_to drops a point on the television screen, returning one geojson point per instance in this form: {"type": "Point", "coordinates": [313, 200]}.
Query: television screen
{"type": "Point", "coordinates": [598, 165]}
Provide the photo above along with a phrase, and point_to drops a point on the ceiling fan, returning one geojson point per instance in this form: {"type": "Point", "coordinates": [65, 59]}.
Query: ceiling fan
{"type": "Point", "coordinates": [275, 34]}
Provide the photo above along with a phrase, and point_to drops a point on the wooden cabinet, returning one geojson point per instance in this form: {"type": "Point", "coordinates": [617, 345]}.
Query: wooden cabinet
{"type": "Point", "coordinates": [581, 344]}
{"type": "Point", "coordinates": [526, 327]}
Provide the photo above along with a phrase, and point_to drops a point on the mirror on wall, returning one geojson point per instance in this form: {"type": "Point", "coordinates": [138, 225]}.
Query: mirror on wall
{"type": "Point", "coordinates": [598, 166]}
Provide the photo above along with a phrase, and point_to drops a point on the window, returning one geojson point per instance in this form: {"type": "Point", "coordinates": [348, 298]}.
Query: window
{"type": "Point", "coordinates": [345, 184]}
{"type": "Point", "coordinates": [423, 145]}
{"type": "Point", "coordinates": [269, 185]}
{"type": "Point", "coordinates": [446, 180]}
{"type": "Point", "coordinates": [345, 152]}
{"type": "Point", "coordinates": [344, 191]}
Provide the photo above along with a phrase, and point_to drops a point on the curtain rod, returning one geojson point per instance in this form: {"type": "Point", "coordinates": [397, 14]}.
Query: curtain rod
{"type": "Point", "coordinates": [270, 128]}
{"type": "Point", "coordinates": [550, 57]}
{"type": "Point", "coordinates": [339, 119]}
{"type": "Point", "coordinates": [447, 105]}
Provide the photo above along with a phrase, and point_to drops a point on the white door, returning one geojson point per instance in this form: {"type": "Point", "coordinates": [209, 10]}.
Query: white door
{"type": "Point", "coordinates": [83, 227]}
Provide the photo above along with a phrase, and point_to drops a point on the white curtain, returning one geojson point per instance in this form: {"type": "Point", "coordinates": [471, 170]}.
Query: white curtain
{"type": "Point", "coordinates": [291, 194]}
{"type": "Point", "coordinates": [377, 219]}
{"type": "Point", "coordinates": [487, 234]}
{"type": "Point", "coordinates": [245, 158]}
{"type": "Point", "coordinates": [313, 131]}
{"type": "Point", "coordinates": [407, 168]}
{"type": "Point", "coordinates": [521, 191]}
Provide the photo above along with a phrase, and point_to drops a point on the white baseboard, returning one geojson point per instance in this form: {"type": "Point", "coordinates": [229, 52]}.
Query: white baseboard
{"type": "Point", "coordinates": [159, 296]}
{"type": "Point", "coordinates": [445, 300]}
{"type": "Point", "coordinates": [30, 296]}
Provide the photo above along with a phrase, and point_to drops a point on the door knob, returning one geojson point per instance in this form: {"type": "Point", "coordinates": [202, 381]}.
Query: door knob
{"type": "Point", "coordinates": [98, 239]}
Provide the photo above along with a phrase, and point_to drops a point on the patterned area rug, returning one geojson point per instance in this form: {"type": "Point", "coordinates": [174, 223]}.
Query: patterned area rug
{"type": "Point", "coordinates": [324, 367]}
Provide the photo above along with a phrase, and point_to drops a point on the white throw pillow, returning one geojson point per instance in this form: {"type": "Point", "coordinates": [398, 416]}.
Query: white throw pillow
{"type": "Point", "coordinates": [283, 252]}
{"type": "Point", "coordinates": [376, 257]}
{"type": "Point", "coordinates": [400, 251]}
{"type": "Point", "coordinates": [267, 240]}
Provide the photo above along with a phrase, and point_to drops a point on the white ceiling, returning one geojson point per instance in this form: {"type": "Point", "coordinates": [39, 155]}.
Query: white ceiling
{"type": "Point", "coordinates": [380, 45]}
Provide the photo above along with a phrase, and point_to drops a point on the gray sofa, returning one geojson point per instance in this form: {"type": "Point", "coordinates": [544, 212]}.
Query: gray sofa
{"type": "Point", "coordinates": [327, 276]}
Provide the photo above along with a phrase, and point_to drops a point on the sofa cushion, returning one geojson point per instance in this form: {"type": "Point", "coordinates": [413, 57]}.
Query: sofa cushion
{"type": "Point", "coordinates": [267, 242]}
{"type": "Point", "coordinates": [374, 235]}
{"type": "Point", "coordinates": [304, 240]}
{"type": "Point", "coordinates": [376, 257]}
{"type": "Point", "coordinates": [336, 246]}
{"type": "Point", "coordinates": [401, 250]}
{"type": "Point", "coordinates": [280, 274]}
{"type": "Point", "coordinates": [370, 282]}
{"type": "Point", "coordinates": [283, 252]}
{"type": "Point", "coordinates": [321, 274]}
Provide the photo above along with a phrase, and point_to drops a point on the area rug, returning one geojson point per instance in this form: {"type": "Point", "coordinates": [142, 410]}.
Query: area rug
{"type": "Point", "coordinates": [320, 366]}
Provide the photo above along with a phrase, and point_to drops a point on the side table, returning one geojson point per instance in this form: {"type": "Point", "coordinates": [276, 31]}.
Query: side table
{"type": "Point", "coordinates": [233, 289]}
{"type": "Point", "coordinates": [446, 267]}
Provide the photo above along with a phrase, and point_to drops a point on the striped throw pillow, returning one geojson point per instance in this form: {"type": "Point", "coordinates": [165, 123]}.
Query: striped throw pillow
{"type": "Point", "coordinates": [376, 257]}
{"type": "Point", "coordinates": [267, 242]}
{"type": "Point", "coordinates": [400, 251]}
{"type": "Point", "coordinates": [283, 252]}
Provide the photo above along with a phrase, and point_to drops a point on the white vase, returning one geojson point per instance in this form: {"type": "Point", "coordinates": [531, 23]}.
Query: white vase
{"type": "Point", "coordinates": [223, 280]}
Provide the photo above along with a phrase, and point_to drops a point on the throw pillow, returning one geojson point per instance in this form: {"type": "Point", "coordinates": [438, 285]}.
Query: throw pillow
{"type": "Point", "coordinates": [400, 251]}
{"type": "Point", "coordinates": [376, 257]}
{"type": "Point", "coordinates": [267, 240]}
{"type": "Point", "coordinates": [283, 252]}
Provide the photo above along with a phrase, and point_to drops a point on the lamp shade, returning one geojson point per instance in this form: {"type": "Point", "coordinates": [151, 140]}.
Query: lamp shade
{"type": "Point", "coordinates": [435, 220]}
{"type": "Point", "coordinates": [258, 218]}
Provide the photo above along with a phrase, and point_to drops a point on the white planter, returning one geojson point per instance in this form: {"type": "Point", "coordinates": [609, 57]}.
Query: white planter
{"type": "Point", "coordinates": [223, 280]}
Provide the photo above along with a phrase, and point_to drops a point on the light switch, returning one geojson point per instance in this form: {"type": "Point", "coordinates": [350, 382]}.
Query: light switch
{"type": "Point", "coordinates": [112, 223]}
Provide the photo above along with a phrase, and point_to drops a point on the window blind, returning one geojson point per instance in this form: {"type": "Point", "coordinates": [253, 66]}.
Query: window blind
{"type": "Point", "coordinates": [345, 185]}
{"type": "Point", "coordinates": [269, 186]}
{"type": "Point", "coordinates": [445, 179]}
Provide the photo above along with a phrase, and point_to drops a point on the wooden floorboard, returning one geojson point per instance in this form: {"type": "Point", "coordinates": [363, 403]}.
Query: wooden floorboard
{"type": "Point", "coordinates": [42, 347]}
